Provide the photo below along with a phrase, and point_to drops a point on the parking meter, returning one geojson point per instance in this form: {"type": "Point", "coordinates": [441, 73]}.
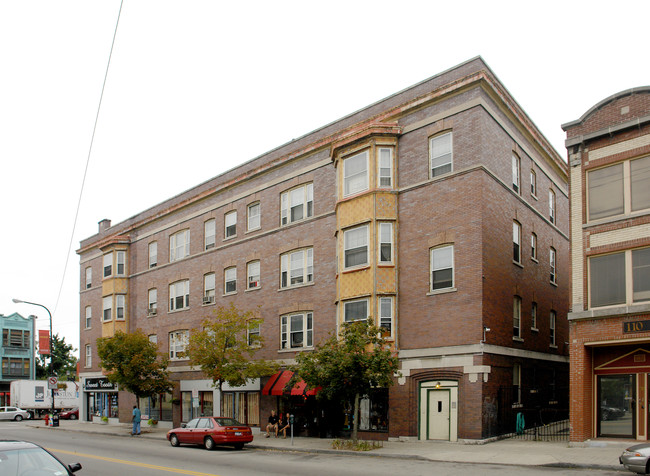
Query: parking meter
{"type": "Point", "coordinates": [291, 420]}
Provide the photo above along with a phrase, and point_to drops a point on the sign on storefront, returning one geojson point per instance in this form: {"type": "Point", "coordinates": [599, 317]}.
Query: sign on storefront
{"type": "Point", "coordinates": [636, 326]}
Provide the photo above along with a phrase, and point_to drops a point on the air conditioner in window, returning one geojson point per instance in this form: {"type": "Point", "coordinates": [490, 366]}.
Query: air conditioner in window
{"type": "Point", "coordinates": [152, 311]}
{"type": "Point", "coordinates": [208, 299]}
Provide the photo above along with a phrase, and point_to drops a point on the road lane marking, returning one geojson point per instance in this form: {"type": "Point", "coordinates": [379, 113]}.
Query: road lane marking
{"type": "Point", "coordinates": [133, 463]}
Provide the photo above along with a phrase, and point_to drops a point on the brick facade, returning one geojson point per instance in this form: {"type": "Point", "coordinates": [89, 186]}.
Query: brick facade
{"type": "Point", "coordinates": [438, 334]}
{"type": "Point", "coordinates": [604, 343]}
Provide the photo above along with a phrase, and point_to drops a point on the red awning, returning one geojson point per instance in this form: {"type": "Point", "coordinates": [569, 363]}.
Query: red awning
{"type": "Point", "coordinates": [276, 384]}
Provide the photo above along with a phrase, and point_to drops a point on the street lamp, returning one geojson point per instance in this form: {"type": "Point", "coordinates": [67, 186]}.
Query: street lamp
{"type": "Point", "coordinates": [20, 301]}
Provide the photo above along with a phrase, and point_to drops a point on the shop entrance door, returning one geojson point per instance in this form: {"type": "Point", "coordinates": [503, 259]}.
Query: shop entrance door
{"type": "Point", "coordinates": [438, 414]}
{"type": "Point", "coordinates": [616, 406]}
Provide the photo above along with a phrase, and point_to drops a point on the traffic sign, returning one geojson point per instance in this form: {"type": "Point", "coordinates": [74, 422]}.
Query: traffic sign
{"type": "Point", "coordinates": [52, 383]}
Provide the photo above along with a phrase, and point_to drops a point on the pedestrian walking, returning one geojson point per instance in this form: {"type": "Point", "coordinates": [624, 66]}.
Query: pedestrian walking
{"type": "Point", "coordinates": [137, 417]}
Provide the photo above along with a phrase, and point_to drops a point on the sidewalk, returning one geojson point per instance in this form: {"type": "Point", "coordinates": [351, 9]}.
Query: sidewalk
{"type": "Point", "coordinates": [597, 454]}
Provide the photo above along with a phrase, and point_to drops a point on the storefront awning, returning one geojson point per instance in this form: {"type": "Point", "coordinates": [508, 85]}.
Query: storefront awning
{"type": "Point", "coordinates": [277, 382]}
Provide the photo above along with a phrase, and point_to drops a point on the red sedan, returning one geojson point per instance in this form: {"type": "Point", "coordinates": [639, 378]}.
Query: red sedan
{"type": "Point", "coordinates": [210, 432]}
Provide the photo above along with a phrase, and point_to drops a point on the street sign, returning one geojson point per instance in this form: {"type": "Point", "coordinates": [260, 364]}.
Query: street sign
{"type": "Point", "coordinates": [52, 383]}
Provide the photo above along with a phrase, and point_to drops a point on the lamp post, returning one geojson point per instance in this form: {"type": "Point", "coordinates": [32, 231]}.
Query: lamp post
{"type": "Point", "coordinates": [20, 301]}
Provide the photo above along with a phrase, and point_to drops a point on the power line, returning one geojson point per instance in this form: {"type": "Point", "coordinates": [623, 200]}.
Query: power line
{"type": "Point", "coordinates": [90, 148]}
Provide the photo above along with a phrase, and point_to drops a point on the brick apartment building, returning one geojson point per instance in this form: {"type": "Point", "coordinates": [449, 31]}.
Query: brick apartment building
{"type": "Point", "coordinates": [441, 212]}
{"type": "Point", "coordinates": [609, 161]}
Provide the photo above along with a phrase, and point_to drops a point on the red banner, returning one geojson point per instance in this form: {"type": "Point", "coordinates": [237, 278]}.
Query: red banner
{"type": "Point", "coordinates": [44, 342]}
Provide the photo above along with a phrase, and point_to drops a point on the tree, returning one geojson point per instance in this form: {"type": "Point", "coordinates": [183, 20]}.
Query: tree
{"type": "Point", "coordinates": [224, 348]}
{"type": "Point", "coordinates": [348, 366]}
{"type": "Point", "coordinates": [134, 363]}
{"type": "Point", "coordinates": [63, 360]}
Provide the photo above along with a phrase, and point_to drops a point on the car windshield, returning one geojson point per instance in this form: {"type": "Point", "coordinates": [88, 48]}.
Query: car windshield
{"type": "Point", "coordinates": [30, 461]}
{"type": "Point", "coordinates": [228, 422]}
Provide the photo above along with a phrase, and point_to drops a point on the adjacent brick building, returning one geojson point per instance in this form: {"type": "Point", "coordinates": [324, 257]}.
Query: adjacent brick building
{"type": "Point", "coordinates": [609, 160]}
{"type": "Point", "coordinates": [441, 212]}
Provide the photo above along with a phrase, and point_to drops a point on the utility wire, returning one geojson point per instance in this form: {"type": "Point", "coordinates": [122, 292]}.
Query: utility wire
{"type": "Point", "coordinates": [90, 148]}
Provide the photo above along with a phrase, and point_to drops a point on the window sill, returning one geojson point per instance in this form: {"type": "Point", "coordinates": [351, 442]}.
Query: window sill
{"type": "Point", "coordinates": [553, 283]}
{"type": "Point", "coordinates": [251, 230]}
{"type": "Point", "coordinates": [357, 268]}
{"type": "Point", "coordinates": [442, 291]}
{"type": "Point", "coordinates": [518, 263]}
{"type": "Point", "coordinates": [173, 311]}
{"type": "Point", "coordinates": [386, 265]}
{"type": "Point", "coordinates": [208, 303]}
{"type": "Point", "coordinates": [534, 329]}
{"type": "Point", "coordinates": [534, 259]}
{"type": "Point", "coordinates": [517, 339]}
{"type": "Point", "coordinates": [256, 288]}
{"type": "Point", "coordinates": [295, 349]}
{"type": "Point", "coordinates": [229, 294]}
{"type": "Point", "coordinates": [296, 286]}
{"type": "Point", "coordinates": [184, 359]}
{"type": "Point", "coordinates": [228, 238]}
{"type": "Point", "coordinates": [552, 346]}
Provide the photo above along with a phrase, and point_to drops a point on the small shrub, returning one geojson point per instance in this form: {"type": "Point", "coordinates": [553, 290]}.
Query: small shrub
{"type": "Point", "coordinates": [152, 422]}
{"type": "Point", "coordinates": [105, 419]}
{"type": "Point", "coordinates": [359, 445]}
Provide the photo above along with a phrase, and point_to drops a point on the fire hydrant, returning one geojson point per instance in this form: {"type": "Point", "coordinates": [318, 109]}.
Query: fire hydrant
{"type": "Point", "coordinates": [47, 419]}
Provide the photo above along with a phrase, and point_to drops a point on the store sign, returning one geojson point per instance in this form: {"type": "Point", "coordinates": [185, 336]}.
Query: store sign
{"type": "Point", "coordinates": [100, 384]}
{"type": "Point", "coordinates": [636, 326]}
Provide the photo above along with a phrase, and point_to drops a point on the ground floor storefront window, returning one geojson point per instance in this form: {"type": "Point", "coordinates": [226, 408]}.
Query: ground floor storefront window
{"type": "Point", "coordinates": [616, 405]}
{"type": "Point", "coordinates": [102, 404]}
{"type": "Point", "coordinates": [242, 406]}
{"type": "Point", "coordinates": [204, 405]}
{"type": "Point", "coordinates": [157, 407]}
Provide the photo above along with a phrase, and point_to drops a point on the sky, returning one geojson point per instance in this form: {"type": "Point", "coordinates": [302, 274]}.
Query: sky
{"type": "Point", "coordinates": [196, 87]}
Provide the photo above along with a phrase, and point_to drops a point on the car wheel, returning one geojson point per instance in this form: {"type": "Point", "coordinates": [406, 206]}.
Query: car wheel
{"type": "Point", "coordinates": [73, 417]}
{"type": "Point", "coordinates": [239, 446]}
{"type": "Point", "coordinates": [209, 443]}
{"type": "Point", "coordinates": [18, 418]}
{"type": "Point", "coordinates": [173, 440]}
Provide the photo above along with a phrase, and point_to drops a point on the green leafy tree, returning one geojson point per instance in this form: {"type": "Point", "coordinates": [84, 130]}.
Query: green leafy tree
{"type": "Point", "coordinates": [348, 366]}
{"type": "Point", "coordinates": [63, 360]}
{"type": "Point", "coordinates": [224, 349]}
{"type": "Point", "coordinates": [133, 362]}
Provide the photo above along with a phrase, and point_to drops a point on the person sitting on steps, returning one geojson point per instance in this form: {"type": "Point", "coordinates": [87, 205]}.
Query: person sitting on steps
{"type": "Point", "coordinates": [273, 424]}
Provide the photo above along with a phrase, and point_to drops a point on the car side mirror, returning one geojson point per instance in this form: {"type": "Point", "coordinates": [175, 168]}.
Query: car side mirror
{"type": "Point", "coordinates": [183, 425]}
{"type": "Point", "coordinates": [74, 467]}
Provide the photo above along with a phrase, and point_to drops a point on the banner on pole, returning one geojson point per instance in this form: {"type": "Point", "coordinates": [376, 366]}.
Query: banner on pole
{"type": "Point", "coordinates": [44, 342]}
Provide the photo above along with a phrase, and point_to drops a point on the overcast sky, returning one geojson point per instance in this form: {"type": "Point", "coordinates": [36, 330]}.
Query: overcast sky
{"type": "Point", "coordinates": [196, 87]}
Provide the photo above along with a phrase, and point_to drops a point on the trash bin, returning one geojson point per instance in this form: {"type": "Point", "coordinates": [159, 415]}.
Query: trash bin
{"type": "Point", "coordinates": [55, 420]}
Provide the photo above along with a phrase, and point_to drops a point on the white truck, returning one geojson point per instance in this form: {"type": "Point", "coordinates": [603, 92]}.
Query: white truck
{"type": "Point", "coordinates": [35, 396]}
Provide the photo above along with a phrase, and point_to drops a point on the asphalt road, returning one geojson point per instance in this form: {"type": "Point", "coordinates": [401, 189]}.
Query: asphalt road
{"type": "Point", "coordinates": [104, 455]}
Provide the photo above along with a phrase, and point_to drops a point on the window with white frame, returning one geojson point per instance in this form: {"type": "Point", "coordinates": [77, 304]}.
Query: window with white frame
{"type": "Point", "coordinates": [533, 246]}
{"type": "Point", "coordinates": [120, 307]}
{"type": "Point", "coordinates": [108, 265]}
{"type": "Point", "coordinates": [385, 242]}
{"type": "Point", "coordinates": [297, 268]}
{"type": "Point", "coordinates": [209, 285]}
{"type": "Point", "coordinates": [516, 318]}
{"type": "Point", "coordinates": [440, 154]}
{"type": "Point", "coordinates": [386, 315]}
{"type": "Point", "coordinates": [89, 277]}
{"type": "Point", "coordinates": [253, 334]}
{"type": "Point", "coordinates": [356, 310]}
{"type": "Point", "coordinates": [230, 280]}
{"type": "Point", "coordinates": [254, 216]}
{"type": "Point", "coordinates": [107, 308]}
{"type": "Point", "coordinates": [551, 327]}
{"type": "Point", "coordinates": [533, 316]}
{"type": "Point", "coordinates": [356, 246]}
{"type": "Point", "coordinates": [516, 383]}
{"type": "Point", "coordinates": [516, 242]}
{"type": "Point", "coordinates": [552, 261]}
{"type": "Point", "coordinates": [296, 330]}
{"type": "Point", "coordinates": [152, 305]}
{"type": "Point", "coordinates": [153, 254]}
{"type": "Point", "coordinates": [355, 173]}
{"type": "Point", "coordinates": [89, 317]}
{"type": "Point", "coordinates": [385, 167]}
{"type": "Point", "coordinates": [89, 357]}
{"type": "Point", "coordinates": [297, 204]}
{"type": "Point", "coordinates": [610, 274]}
{"type": "Point", "coordinates": [178, 341]}
{"type": "Point", "coordinates": [153, 338]}
{"type": "Point", "coordinates": [230, 224]}
{"type": "Point", "coordinates": [442, 267]}
{"type": "Point", "coordinates": [179, 295]}
{"type": "Point", "coordinates": [179, 245]}
{"type": "Point", "coordinates": [253, 274]}
{"type": "Point", "coordinates": [120, 257]}
{"type": "Point", "coordinates": [210, 234]}
{"type": "Point", "coordinates": [516, 175]}
{"type": "Point", "coordinates": [533, 183]}
{"type": "Point", "coordinates": [619, 189]}
{"type": "Point", "coordinates": [551, 206]}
